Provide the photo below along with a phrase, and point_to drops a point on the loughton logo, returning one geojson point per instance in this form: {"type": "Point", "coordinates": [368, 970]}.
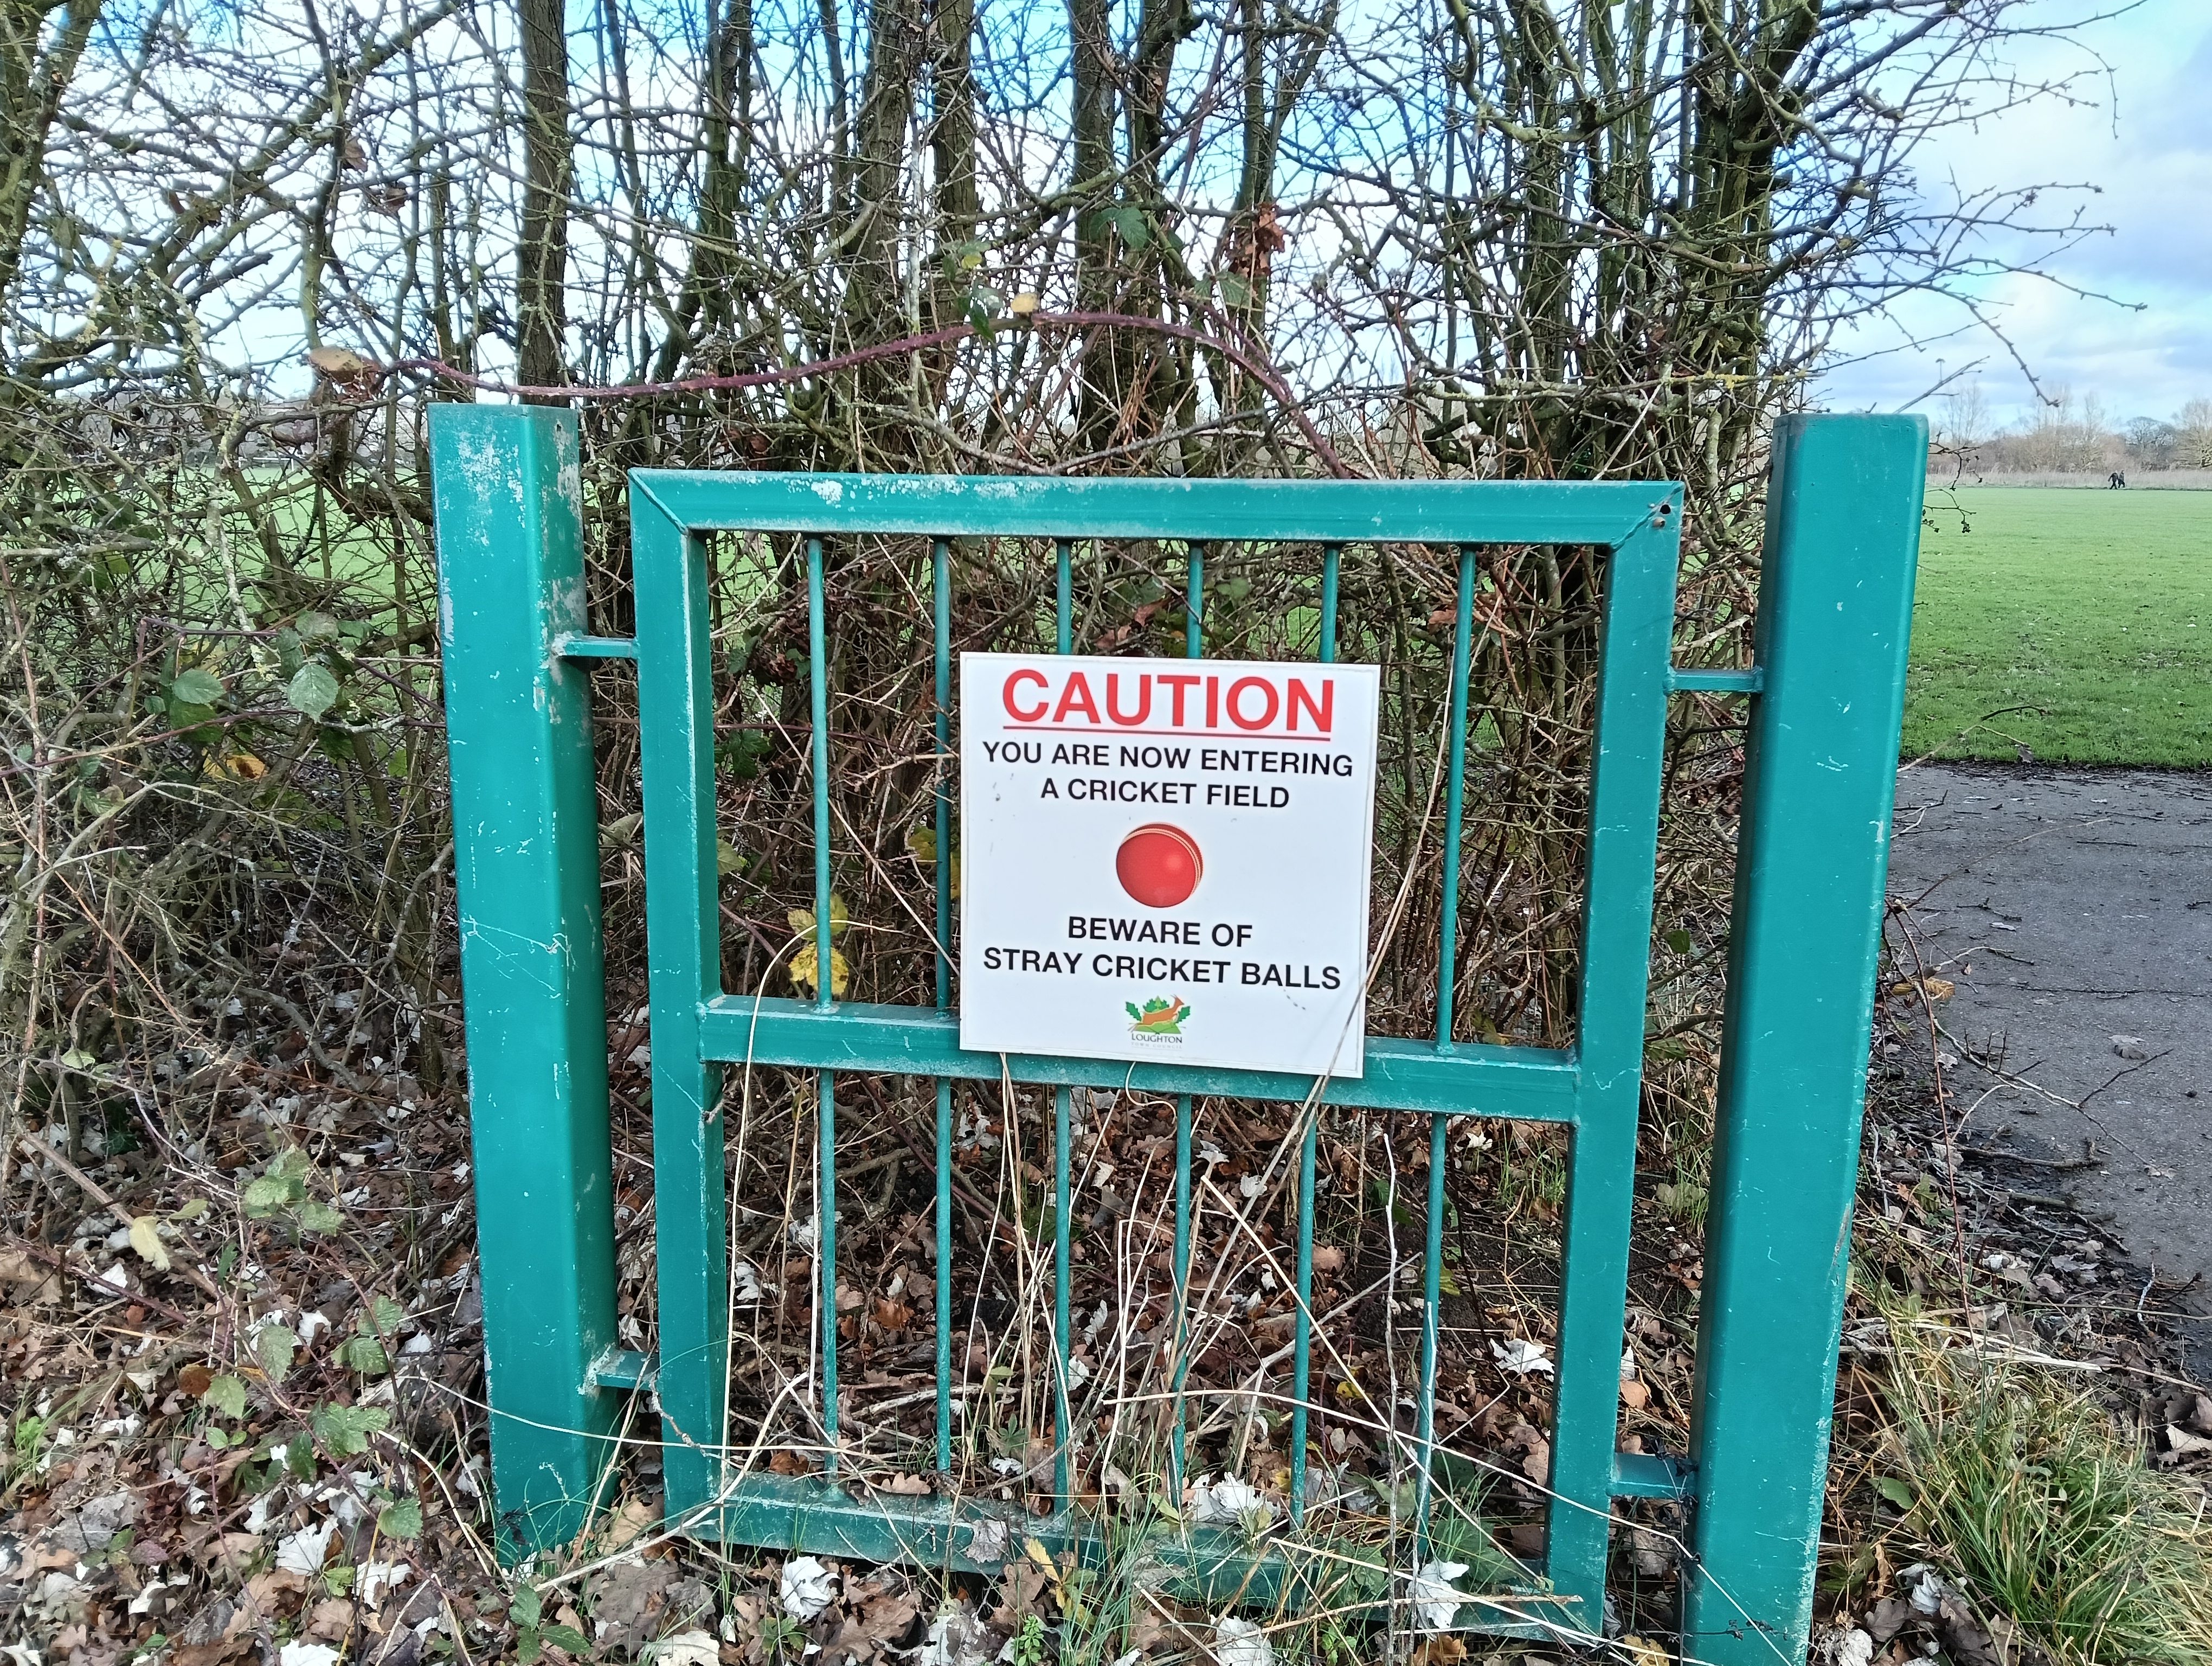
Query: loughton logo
{"type": "Point", "coordinates": [1157, 1017]}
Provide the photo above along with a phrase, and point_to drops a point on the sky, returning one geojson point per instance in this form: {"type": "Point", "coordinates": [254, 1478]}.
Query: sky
{"type": "Point", "coordinates": [2146, 144]}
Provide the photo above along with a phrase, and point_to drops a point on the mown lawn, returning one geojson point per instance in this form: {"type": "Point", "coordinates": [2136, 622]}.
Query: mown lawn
{"type": "Point", "coordinates": [2077, 622]}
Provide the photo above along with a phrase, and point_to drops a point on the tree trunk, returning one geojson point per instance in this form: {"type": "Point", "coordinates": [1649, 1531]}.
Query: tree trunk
{"type": "Point", "coordinates": [542, 262]}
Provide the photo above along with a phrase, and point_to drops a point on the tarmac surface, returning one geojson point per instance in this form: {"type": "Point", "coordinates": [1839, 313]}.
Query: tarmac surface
{"type": "Point", "coordinates": [2072, 910]}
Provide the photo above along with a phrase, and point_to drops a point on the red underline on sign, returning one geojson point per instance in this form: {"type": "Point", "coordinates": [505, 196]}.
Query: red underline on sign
{"type": "Point", "coordinates": [1102, 732]}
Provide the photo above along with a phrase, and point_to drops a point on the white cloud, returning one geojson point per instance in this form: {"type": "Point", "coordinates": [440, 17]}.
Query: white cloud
{"type": "Point", "coordinates": [2146, 151]}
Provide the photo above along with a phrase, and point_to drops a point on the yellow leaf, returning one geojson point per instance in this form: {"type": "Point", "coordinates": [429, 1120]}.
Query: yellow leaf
{"type": "Point", "coordinates": [921, 843]}
{"type": "Point", "coordinates": [1036, 1552]}
{"type": "Point", "coordinates": [802, 920]}
{"type": "Point", "coordinates": [804, 975]}
{"type": "Point", "coordinates": [1023, 305]}
{"type": "Point", "coordinates": [728, 858]}
{"type": "Point", "coordinates": [146, 1239]}
{"type": "Point", "coordinates": [237, 766]}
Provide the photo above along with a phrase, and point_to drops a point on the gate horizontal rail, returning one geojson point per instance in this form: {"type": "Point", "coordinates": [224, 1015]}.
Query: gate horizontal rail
{"type": "Point", "coordinates": [1826, 702]}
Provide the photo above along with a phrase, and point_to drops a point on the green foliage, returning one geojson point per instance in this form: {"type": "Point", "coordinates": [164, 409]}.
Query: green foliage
{"type": "Point", "coordinates": [2084, 617]}
{"type": "Point", "coordinates": [531, 1633]}
{"type": "Point", "coordinates": [343, 1430]}
{"type": "Point", "coordinates": [368, 1349]}
{"type": "Point", "coordinates": [226, 1396]}
{"type": "Point", "coordinates": [313, 690]}
{"type": "Point", "coordinates": [401, 1519]}
{"type": "Point", "coordinates": [2048, 1513]}
{"type": "Point", "coordinates": [274, 1348]}
{"type": "Point", "coordinates": [280, 1190]}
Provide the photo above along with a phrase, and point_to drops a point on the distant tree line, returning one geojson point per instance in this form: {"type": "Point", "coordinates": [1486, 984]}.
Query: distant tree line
{"type": "Point", "coordinates": [2067, 436]}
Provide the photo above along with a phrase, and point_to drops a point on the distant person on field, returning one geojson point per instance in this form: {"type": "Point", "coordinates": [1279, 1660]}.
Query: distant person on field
{"type": "Point", "coordinates": [2115, 481]}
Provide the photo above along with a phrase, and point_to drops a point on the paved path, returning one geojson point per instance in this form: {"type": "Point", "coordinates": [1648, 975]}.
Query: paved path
{"type": "Point", "coordinates": [2071, 907]}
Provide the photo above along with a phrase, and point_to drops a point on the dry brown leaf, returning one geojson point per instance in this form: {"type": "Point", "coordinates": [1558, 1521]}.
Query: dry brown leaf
{"type": "Point", "coordinates": [1328, 1258]}
{"type": "Point", "coordinates": [892, 1315]}
{"type": "Point", "coordinates": [1445, 1651]}
{"type": "Point", "coordinates": [340, 364]}
{"type": "Point", "coordinates": [906, 1486]}
{"type": "Point", "coordinates": [785, 1461]}
{"type": "Point", "coordinates": [1634, 1394]}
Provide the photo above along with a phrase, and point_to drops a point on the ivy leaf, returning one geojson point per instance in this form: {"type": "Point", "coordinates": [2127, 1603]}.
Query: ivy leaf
{"type": "Point", "coordinates": [197, 687]}
{"type": "Point", "coordinates": [146, 1239]}
{"type": "Point", "coordinates": [401, 1519]}
{"type": "Point", "coordinates": [346, 1429]}
{"type": "Point", "coordinates": [227, 1395]}
{"type": "Point", "coordinates": [274, 1347]}
{"type": "Point", "coordinates": [313, 691]}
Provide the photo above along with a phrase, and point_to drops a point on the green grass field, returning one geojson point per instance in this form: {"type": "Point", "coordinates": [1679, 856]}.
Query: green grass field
{"type": "Point", "coordinates": [2077, 622]}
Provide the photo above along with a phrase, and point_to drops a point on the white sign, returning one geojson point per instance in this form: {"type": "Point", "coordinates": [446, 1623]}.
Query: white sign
{"type": "Point", "coordinates": [1166, 860]}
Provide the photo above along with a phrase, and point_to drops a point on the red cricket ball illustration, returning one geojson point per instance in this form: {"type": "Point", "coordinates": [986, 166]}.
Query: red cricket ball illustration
{"type": "Point", "coordinates": [1158, 865]}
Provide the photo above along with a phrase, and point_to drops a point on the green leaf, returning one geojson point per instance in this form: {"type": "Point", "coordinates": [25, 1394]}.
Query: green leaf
{"type": "Point", "coordinates": [274, 1347]}
{"type": "Point", "coordinates": [528, 1645]}
{"type": "Point", "coordinates": [313, 691]}
{"type": "Point", "coordinates": [267, 1194]}
{"type": "Point", "coordinates": [227, 1395]}
{"type": "Point", "coordinates": [1897, 1491]}
{"type": "Point", "coordinates": [77, 1059]}
{"type": "Point", "coordinates": [921, 843]}
{"type": "Point", "coordinates": [385, 1316]}
{"type": "Point", "coordinates": [314, 626]}
{"type": "Point", "coordinates": [316, 1216]}
{"type": "Point", "coordinates": [401, 1519]}
{"type": "Point", "coordinates": [345, 1429]}
{"type": "Point", "coordinates": [728, 858]}
{"type": "Point", "coordinates": [1236, 289]}
{"type": "Point", "coordinates": [197, 687]}
{"type": "Point", "coordinates": [568, 1637]}
{"type": "Point", "coordinates": [364, 1354]}
{"type": "Point", "coordinates": [1678, 941]}
{"type": "Point", "coordinates": [1130, 225]}
{"type": "Point", "coordinates": [527, 1606]}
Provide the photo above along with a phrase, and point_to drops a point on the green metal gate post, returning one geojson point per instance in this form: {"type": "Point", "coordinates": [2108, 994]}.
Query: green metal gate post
{"type": "Point", "coordinates": [1835, 614]}
{"type": "Point", "coordinates": [527, 867]}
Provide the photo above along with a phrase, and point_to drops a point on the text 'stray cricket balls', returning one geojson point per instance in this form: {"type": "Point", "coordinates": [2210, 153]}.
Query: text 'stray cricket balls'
{"type": "Point", "coordinates": [1166, 860]}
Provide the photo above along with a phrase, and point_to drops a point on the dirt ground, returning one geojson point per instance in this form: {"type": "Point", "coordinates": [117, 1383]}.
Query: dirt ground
{"type": "Point", "coordinates": [2072, 912]}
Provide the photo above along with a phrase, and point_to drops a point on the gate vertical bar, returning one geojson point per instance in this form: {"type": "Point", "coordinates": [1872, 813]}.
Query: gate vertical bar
{"type": "Point", "coordinates": [518, 734]}
{"type": "Point", "coordinates": [1193, 642]}
{"type": "Point", "coordinates": [1302, 1337]}
{"type": "Point", "coordinates": [675, 686]}
{"type": "Point", "coordinates": [1625, 771]}
{"type": "Point", "coordinates": [826, 998]}
{"type": "Point", "coordinates": [941, 596]}
{"type": "Point", "coordinates": [1063, 1272]}
{"type": "Point", "coordinates": [1835, 615]}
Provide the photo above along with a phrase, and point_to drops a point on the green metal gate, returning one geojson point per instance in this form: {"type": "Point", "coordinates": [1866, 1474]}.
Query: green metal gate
{"type": "Point", "coordinates": [1826, 700]}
